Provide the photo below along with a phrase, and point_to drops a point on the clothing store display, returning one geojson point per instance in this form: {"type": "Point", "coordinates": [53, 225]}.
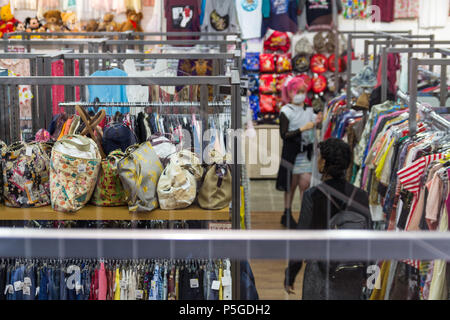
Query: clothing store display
{"type": "Point", "coordinates": [182, 16]}
{"type": "Point", "coordinates": [75, 164]}
{"type": "Point", "coordinates": [250, 17]}
{"type": "Point", "coordinates": [139, 172]}
{"type": "Point", "coordinates": [26, 168]}
{"type": "Point", "coordinates": [281, 16]}
{"type": "Point", "coordinates": [115, 93]}
{"type": "Point", "coordinates": [109, 190]}
{"type": "Point", "coordinates": [220, 16]}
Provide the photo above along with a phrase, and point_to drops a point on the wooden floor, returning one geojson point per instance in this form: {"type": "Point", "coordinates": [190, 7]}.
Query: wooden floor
{"type": "Point", "coordinates": [269, 274]}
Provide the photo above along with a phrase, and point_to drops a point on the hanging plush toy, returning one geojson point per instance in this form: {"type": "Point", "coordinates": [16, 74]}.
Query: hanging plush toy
{"type": "Point", "coordinates": [133, 22]}
{"type": "Point", "coordinates": [7, 20]}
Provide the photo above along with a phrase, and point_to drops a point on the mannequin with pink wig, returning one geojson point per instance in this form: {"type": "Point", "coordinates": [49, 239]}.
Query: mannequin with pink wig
{"type": "Point", "coordinates": [297, 123]}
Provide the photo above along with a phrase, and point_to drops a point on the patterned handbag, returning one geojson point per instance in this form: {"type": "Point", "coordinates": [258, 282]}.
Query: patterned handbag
{"type": "Point", "coordinates": [109, 190]}
{"type": "Point", "coordinates": [75, 164]}
{"type": "Point", "coordinates": [139, 172]}
{"type": "Point", "coordinates": [26, 169]}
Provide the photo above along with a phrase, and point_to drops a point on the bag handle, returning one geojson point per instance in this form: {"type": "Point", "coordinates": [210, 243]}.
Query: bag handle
{"type": "Point", "coordinates": [83, 146]}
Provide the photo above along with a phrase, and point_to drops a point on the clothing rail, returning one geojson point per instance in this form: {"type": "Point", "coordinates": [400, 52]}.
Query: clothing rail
{"type": "Point", "coordinates": [385, 51]}
{"type": "Point", "coordinates": [375, 35]}
{"type": "Point", "coordinates": [144, 104]}
{"type": "Point", "coordinates": [234, 244]}
{"type": "Point", "coordinates": [93, 44]}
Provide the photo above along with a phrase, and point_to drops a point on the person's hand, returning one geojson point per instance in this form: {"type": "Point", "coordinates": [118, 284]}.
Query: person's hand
{"type": "Point", "coordinates": [308, 126]}
{"type": "Point", "coordinates": [289, 289]}
{"type": "Point", "coordinates": [319, 118]}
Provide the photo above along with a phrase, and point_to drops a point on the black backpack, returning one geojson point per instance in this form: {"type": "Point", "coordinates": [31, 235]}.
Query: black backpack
{"type": "Point", "coordinates": [346, 219]}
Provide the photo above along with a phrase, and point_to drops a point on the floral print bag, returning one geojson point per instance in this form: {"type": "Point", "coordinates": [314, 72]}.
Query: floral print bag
{"type": "Point", "coordinates": [109, 190]}
{"type": "Point", "coordinates": [74, 168]}
{"type": "Point", "coordinates": [26, 169]}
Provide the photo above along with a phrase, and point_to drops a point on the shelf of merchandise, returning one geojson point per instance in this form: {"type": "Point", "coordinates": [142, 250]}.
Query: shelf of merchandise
{"type": "Point", "coordinates": [113, 213]}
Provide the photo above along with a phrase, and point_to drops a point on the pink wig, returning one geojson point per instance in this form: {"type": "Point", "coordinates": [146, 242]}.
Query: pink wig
{"type": "Point", "coordinates": [291, 87]}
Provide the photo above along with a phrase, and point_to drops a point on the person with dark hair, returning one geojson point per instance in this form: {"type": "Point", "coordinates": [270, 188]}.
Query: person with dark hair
{"type": "Point", "coordinates": [319, 205]}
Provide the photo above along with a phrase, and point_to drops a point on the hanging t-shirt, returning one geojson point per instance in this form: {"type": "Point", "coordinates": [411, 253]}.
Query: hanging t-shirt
{"type": "Point", "coordinates": [220, 16]}
{"type": "Point", "coordinates": [182, 16]}
{"type": "Point", "coordinates": [319, 12]}
{"type": "Point", "coordinates": [109, 93]}
{"type": "Point", "coordinates": [250, 18]}
{"type": "Point", "coordinates": [282, 17]}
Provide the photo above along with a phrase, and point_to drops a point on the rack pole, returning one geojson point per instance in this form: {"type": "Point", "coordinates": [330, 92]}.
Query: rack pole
{"type": "Point", "coordinates": [236, 119]}
{"type": "Point", "coordinates": [443, 91]}
{"type": "Point", "coordinates": [349, 68]}
{"type": "Point", "coordinates": [413, 72]}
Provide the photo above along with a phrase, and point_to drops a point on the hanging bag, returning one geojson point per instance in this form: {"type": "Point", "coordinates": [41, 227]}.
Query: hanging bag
{"type": "Point", "coordinates": [75, 164]}
{"type": "Point", "coordinates": [139, 172]}
{"type": "Point", "coordinates": [109, 191]}
{"type": "Point", "coordinates": [215, 192]}
{"type": "Point", "coordinates": [26, 169]}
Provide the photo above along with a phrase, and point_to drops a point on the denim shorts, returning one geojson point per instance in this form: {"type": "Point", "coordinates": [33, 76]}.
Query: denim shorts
{"type": "Point", "coordinates": [302, 164]}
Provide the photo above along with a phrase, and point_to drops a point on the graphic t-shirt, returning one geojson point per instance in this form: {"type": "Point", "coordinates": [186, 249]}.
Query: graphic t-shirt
{"type": "Point", "coordinates": [182, 16]}
{"type": "Point", "coordinates": [282, 16]}
{"type": "Point", "coordinates": [220, 16]}
{"type": "Point", "coordinates": [250, 18]}
{"type": "Point", "coordinates": [319, 12]}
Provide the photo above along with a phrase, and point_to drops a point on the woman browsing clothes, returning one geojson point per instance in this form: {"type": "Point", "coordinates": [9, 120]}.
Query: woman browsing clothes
{"type": "Point", "coordinates": [297, 122]}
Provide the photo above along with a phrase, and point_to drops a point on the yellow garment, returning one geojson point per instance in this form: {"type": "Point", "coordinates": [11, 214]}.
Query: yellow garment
{"type": "Point", "coordinates": [220, 288]}
{"type": "Point", "coordinates": [62, 131]}
{"type": "Point", "coordinates": [438, 287]}
{"type": "Point", "coordinates": [380, 166]}
{"type": "Point", "coordinates": [242, 209]}
{"type": "Point", "coordinates": [177, 284]}
{"type": "Point", "coordinates": [381, 282]}
{"type": "Point", "coordinates": [117, 285]}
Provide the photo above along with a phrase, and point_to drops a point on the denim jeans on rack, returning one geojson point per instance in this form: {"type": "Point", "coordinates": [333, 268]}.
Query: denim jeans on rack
{"type": "Point", "coordinates": [30, 278]}
{"type": "Point", "coordinates": [2, 281]}
{"type": "Point", "coordinates": [18, 277]}
{"type": "Point", "coordinates": [43, 286]}
{"type": "Point", "coordinates": [62, 283]}
{"type": "Point", "coordinates": [210, 294]}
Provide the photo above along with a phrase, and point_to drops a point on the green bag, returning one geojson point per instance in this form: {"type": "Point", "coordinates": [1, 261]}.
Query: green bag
{"type": "Point", "coordinates": [109, 191]}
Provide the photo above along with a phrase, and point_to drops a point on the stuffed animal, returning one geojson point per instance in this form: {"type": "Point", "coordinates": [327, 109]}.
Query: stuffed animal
{"type": "Point", "coordinates": [7, 20]}
{"type": "Point", "coordinates": [133, 22]}
{"type": "Point", "coordinates": [53, 21]}
{"type": "Point", "coordinates": [70, 23]}
{"type": "Point", "coordinates": [32, 24]}
{"type": "Point", "coordinates": [91, 26]}
{"type": "Point", "coordinates": [108, 24]}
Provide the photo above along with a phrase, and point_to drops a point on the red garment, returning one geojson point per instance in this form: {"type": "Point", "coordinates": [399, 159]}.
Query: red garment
{"type": "Point", "coordinates": [386, 8]}
{"type": "Point", "coordinates": [93, 294]}
{"type": "Point", "coordinates": [327, 134]}
{"type": "Point", "coordinates": [102, 283]}
{"type": "Point", "coordinates": [393, 62]}
{"type": "Point", "coordinates": [58, 91]}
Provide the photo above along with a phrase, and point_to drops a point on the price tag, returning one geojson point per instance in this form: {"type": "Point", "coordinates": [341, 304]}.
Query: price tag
{"type": "Point", "coordinates": [8, 289]}
{"type": "Point", "coordinates": [123, 284]}
{"type": "Point", "coordinates": [215, 285]}
{"type": "Point", "coordinates": [29, 151]}
{"type": "Point", "coordinates": [37, 291]}
{"type": "Point", "coordinates": [27, 281]}
{"type": "Point", "coordinates": [18, 285]}
{"type": "Point", "coordinates": [81, 167]}
{"type": "Point", "coordinates": [226, 281]}
{"type": "Point", "coordinates": [78, 287]}
{"type": "Point", "coordinates": [26, 290]}
{"type": "Point", "coordinates": [194, 283]}
{"type": "Point", "coordinates": [139, 294]}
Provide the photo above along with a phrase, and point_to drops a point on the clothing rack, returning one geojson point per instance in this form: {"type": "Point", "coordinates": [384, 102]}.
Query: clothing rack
{"type": "Point", "coordinates": [405, 36]}
{"type": "Point", "coordinates": [431, 51]}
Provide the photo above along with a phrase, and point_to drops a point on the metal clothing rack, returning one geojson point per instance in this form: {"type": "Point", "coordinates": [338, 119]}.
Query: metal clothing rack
{"type": "Point", "coordinates": [372, 35]}
{"type": "Point", "coordinates": [431, 51]}
{"type": "Point", "coordinates": [93, 44]}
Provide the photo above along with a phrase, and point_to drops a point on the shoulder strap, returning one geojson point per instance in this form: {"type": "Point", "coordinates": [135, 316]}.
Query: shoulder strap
{"type": "Point", "coordinates": [326, 190]}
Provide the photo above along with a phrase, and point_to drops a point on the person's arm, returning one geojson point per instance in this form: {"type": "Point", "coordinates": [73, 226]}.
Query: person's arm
{"type": "Point", "coordinates": [284, 128]}
{"type": "Point", "coordinates": [304, 223]}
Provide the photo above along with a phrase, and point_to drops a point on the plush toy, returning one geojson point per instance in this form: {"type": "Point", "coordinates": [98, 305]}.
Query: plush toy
{"type": "Point", "coordinates": [91, 26]}
{"type": "Point", "coordinates": [133, 22]}
{"type": "Point", "coordinates": [7, 20]}
{"type": "Point", "coordinates": [53, 21]}
{"type": "Point", "coordinates": [70, 23]}
{"type": "Point", "coordinates": [32, 24]}
{"type": "Point", "coordinates": [108, 24]}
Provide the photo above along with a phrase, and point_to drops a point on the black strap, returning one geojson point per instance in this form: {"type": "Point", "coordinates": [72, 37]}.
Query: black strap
{"type": "Point", "coordinates": [324, 188]}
